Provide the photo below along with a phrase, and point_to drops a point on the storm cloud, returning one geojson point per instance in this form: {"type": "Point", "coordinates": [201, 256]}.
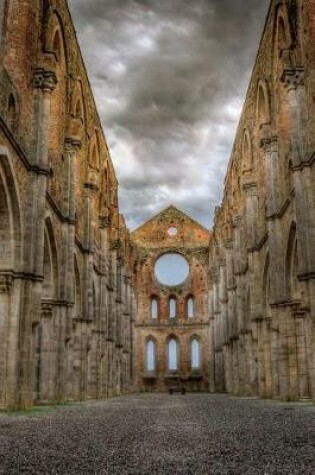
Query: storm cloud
{"type": "Point", "coordinates": [169, 79]}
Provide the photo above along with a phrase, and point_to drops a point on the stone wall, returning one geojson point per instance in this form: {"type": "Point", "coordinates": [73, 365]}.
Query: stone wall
{"type": "Point", "coordinates": [66, 282]}
{"type": "Point", "coordinates": [71, 276]}
{"type": "Point", "coordinates": [172, 232]}
{"type": "Point", "coordinates": [262, 257]}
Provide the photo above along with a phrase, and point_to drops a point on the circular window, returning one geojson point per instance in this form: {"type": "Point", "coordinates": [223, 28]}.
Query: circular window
{"type": "Point", "coordinates": [171, 269]}
{"type": "Point", "coordinates": [172, 231]}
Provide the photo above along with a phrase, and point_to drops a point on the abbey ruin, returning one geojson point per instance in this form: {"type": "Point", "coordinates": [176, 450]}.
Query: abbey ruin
{"type": "Point", "coordinates": [82, 312]}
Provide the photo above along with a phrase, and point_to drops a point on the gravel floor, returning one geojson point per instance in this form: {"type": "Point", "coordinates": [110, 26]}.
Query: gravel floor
{"type": "Point", "coordinates": [161, 434]}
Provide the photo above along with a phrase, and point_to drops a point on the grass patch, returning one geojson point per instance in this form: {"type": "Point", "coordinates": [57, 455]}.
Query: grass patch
{"type": "Point", "coordinates": [35, 410]}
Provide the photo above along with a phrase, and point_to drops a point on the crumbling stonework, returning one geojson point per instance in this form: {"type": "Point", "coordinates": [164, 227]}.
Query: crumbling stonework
{"type": "Point", "coordinates": [66, 286]}
{"type": "Point", "coordinates": [82, 314]}
{"type": "Point", "coordinates": [262, 257]}
{"type": "Point", "coordinates": [172, 231]}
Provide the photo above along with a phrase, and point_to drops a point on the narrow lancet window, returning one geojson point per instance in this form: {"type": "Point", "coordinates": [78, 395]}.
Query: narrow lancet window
{"type": "Point", "coordinates": [195, 354]}
{"type": "Point", "coordinates": [172, 355]}
{"type": "Point", "coordinates": [191, 307]}
{"type": "Point", "coordinates": [150, 356]}
{"type": "Point", "coordinates": [172, 308]}
{"type": "Point", "coordinates": [154, 309]}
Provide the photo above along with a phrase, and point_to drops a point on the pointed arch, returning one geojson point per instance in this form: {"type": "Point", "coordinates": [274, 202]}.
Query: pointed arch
{"type": "Point", "coordinates": [263, 115]}
{"type": "Point", "coordinates": [195, 352]}
{"type": "Point", "coordinates": [190, 306]}
{"type": "Point", "coordinates": [78, 113]}
{"type": "Point", "coordinates": [266, 282]}
{"type": "Point", "coordinates": [56, 44]}
{"type": "Point", "coordinates": [172, 307]}
{"type": "Point", "coordinates": [282, 36]}
{"type": "Point", "coordinates": [154, 307]}
{"type": "Point", "coordinates": [54, 39]}
{"type": "Point", "coordinates": [50, 284]}
{"type": "Point", "coordinates": [247, 152]}
{"type": "Point", "coordinates": [150, 354]}
{"type": "Point", "coordinates": [10, 217]}
{"type": "Point", "coordinates": [173, 353]}
{"type": "Point", "coordinates": [94, 153]}
{"type": "Point", "coordinates": [77, 289]}
{"type": "Point", "coordinates": [291, 265]}
{"type": "Point", "coordinates": [12, 112]}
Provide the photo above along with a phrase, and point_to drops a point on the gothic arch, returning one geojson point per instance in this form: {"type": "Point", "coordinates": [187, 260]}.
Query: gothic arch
{"type": "Point", "coordinates": [282, 59]}
{"type": "Point", "coordinates": [150, 356]}
{"type": "Point", "coordinates": [54, 24]}
{"type": "Point", "coordinates": [282, 37]}
{"type": "Point", "coordinates": [10, 217]}
{"type": "Point", "coordinates": [78, 113]}
{"type": "Point", "coordinates": [263, 115]}
{"type": "Point", "coordinates": [94, 151]}
{"type": "Point", "coordinates": [266, 283]}
{"type": "Point", "coordinates": [77, 289]}
{"type": "Point", "coordinates": [172, 307]}
{"type": "Point", "coordinates": [50, 285]}
{"type": "Point", "coordinates": [190, 304]}
{"type": "Point", "coordinates": [12, 112]}
{"type": "Point", "coordinates": [247, 152]}
{"type": "Point", "coordinates": [154, 307]}
{"type": "Point", "coordinates": [56, 44]}
{"type": "Point", "coordinates": [291, 270]}
{"type": "Point", "coordinates": [173, 353]}
{"type": "Point", "coordinates": [195, 351]}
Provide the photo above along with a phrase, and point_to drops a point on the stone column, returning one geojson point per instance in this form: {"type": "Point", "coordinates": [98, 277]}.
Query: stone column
{"type": "Point", "coordinates": [46, 355]}
{"type": "Point", "coordinates": [90, 189]}
{"type": "Point", "coordinates": [44, 83]}
{"type": "Point", "coordinates": [270, 150]}
{"type": "Point", "coordinates": [252, 208]}
{"type": "Point", "coordinates": [7, 366]}
{"type": "Point", "coordinates": [301, 161]}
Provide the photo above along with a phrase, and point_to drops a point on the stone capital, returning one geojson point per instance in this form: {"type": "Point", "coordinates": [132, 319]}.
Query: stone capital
{"type": "Point", "coordinates": [44, 80]}
{"type": "Point", "coordinates": [6, 282]}
{"type": "Point", "coordinates": [229, 244]}
{"type": "Point", "coordinates": [250, 189]}
{"type": "Point", "coordinates": [71, 144]}
{"type": "Point", "coordinates": [90, 188]}
{"type": "Point", "coordinates": [47, 310]}
{"type": "Point", "coordinates": [237, 221]}
{"type": "Point", "coordinates": [292, 78]}
{"type": "Point", "coordinates": [265, 137]}
{"type": "Point", "coordinates": [115, 244]}
{"type": "Point", "coordinates": [104, 221]}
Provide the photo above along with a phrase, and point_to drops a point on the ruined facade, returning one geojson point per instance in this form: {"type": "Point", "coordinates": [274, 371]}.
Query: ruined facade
{"type": "Point", "coordinates": [172, 330]}
{"type": "Point", "coordinates": [262, 257]}
{"type": "Point", "coordinates": [66, 286]}
{"type": "Point", "coordinates": [82, 313]}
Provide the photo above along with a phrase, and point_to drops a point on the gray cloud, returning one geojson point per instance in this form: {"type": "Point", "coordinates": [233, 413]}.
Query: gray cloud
{"type": "Point", "coordinates": [169, 78]}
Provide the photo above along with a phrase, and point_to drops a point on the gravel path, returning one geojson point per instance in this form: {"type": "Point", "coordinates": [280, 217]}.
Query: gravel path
{"type": "Point", "coordinates": [161, 434]}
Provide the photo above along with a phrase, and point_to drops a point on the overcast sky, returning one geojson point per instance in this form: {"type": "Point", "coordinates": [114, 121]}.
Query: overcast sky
{"type": "Point", "coordinates": [169, 79]}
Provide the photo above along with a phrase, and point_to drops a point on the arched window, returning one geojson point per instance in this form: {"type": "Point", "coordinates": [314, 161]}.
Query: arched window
{"type": "Point", "coordinates": [150, 356]}
{"type": "Point", "coordinates": [12, 112]}
{"type": "Point", "coordinates": [190, 307]}
{"type": "Point", "coordinates": [56, 44]}
{"type": "Point", "coordinates": [154, 308]}
{"type": "Point", "coordinates": [172, 307]}
{"type": "Point", "coordinates": [246, 152]}
{"type": "Point", "coordinates": [195, 354]}
{"type": "Point", "coordinates": [172, 355]}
